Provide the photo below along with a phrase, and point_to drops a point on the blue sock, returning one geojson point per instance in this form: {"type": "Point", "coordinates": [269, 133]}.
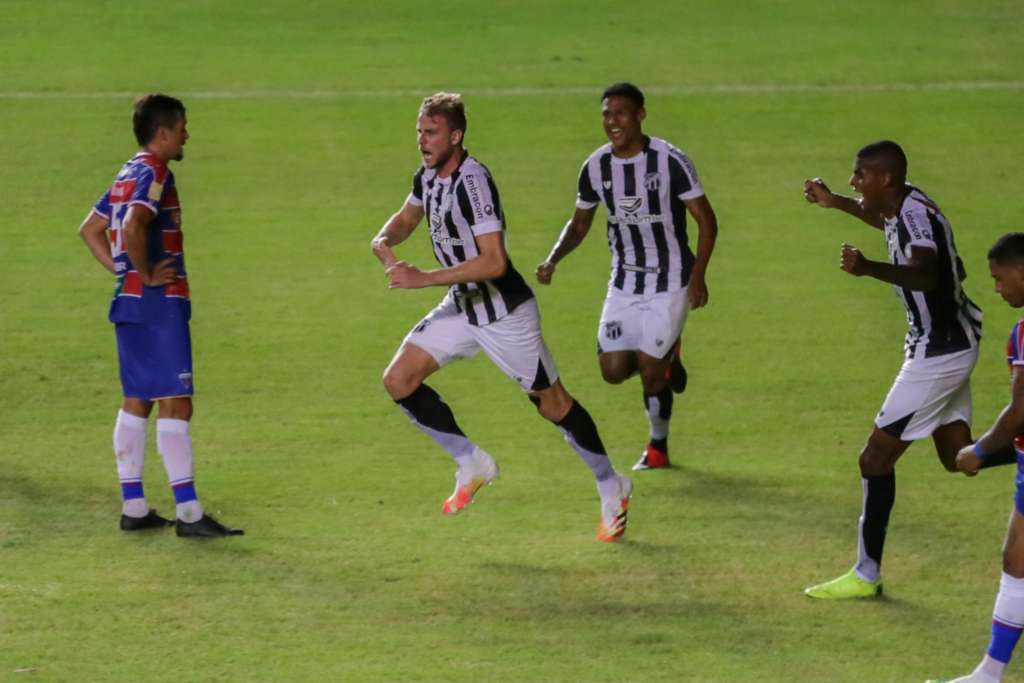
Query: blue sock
{"type": "Point", "coordinates": [1004, 639]}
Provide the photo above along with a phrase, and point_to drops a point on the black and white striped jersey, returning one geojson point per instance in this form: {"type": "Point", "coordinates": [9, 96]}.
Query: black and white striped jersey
{"type": "Point", "coordinates": [458, 209]}
{"type": "Point", "coordinates": [644, 197]}
{"type": "Point", "coordinates": [943, 320]}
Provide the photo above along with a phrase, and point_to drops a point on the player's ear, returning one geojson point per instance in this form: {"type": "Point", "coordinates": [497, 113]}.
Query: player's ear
{"type": "Point", "coordinates": [642, 114]}
{"type": "Point", "coordinates": [456, 136]}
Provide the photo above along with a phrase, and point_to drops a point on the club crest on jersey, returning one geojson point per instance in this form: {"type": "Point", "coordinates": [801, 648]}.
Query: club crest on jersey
{"type": "Point", "coordinates": [613, 329]}
{"type": "Point", "coordinates": [652, 181]}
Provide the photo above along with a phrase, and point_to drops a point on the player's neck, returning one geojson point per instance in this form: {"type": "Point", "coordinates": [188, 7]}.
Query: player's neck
{"type": "Point", "coordinates": [893, 201]}
{"type": "Point", "coordinates": [156, 153]}
{"type": "Point", "coordinates": [454, 161]}
{"type": "Point", "coordinates": [631, 148]}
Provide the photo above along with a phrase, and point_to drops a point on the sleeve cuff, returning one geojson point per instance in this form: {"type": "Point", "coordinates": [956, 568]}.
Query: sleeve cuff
{"type": "Point", "coordinates": [583, 204]}
{"type": "Point", "coordinates": [486, 228]}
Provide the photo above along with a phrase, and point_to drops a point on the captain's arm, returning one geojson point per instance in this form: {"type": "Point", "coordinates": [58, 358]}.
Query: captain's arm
{"type": "Point", "coordinates": [93, 232]}
{"type": "Point", "coordinates": [817, 192]}
{"type": "Point", "coordinates": [395, 231]}
{"type": "Point", "coordinates": [492, 262]}
{"type": "Point", "coordinates": [920, 273]}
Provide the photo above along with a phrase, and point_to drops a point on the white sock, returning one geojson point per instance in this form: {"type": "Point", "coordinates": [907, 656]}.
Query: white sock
{"type": "Point", "coordinates": [175, 446]}
{"type": "Point", "coordinates": [130, 452]}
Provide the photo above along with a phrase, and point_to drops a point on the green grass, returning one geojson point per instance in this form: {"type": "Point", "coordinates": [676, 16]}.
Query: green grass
{"type": "Point", "coordinates": [348, 571]}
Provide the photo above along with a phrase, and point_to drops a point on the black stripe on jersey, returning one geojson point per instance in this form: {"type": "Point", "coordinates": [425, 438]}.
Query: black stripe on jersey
{"type": "Point", "coordinates": [639, 254]}
{"type": "Point", "coordinates": [654, 207]}
{"type": "Point", "coordinates": [903, 237]}
{"type": "Point", "coordinates": [614, 237]}
{"type": "Point", "coordinates": [947, 334]}
{"type": "Point", "coordinates": [678, 184]}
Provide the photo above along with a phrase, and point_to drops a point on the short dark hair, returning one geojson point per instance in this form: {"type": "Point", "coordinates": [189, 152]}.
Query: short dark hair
{"type": "Point", "coordinates": [627, 90]}
{"type": "Point", "coordinates": [155, 111]}
{"type": "Point", "coordinates": [888, 155]}
{"type": "Point", "coordinates": [446, 104]}
{"type": "Point", "coordinates": [1008, 249]}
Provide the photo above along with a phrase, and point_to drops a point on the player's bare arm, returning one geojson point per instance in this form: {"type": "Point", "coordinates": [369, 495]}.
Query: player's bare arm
{"type": "Point", "coordinates": [817, 192]}
{"type": "Point", "coordinates": [395, 231]}
{"type": "Point", "coordinates": [707, 232]}
{"type": "Point", "coordinates": [921, 273]}
{"type": "Point", "coordinates": [93, 232]}
{"type": "Point", "coordinates": [490, 264]}
{"type": "Point", "coordinates": [1007, 427]}
{"type": "Point", "coordinates": [135, 227]}
{"type": "Point", "coordinates": [572, 236]}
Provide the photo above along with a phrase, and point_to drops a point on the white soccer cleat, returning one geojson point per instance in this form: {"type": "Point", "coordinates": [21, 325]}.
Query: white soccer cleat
{"type": "Point", "coordinates": [478, 472]}
{"type": "Point", "coordinates": [614, 510]}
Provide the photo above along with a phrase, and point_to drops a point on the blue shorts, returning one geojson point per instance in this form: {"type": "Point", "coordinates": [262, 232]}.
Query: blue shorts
{"type": "Point", "coordinates": [155, 359]}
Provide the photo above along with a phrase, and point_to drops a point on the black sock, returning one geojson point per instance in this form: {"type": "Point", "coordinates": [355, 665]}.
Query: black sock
{"type": "Point", "coordinates": [578, 423]}
{"type": "Point", "coordinates": [880, 495]}
{"type": "Point", "coordinates": [426, 407]}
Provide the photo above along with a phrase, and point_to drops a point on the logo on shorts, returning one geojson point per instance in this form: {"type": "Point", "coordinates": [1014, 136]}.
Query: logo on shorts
{"type": "Point", "coordinates": [186, 379]}
{"type": "Point", "coordinates": [613, 329]}
{"type": "Point", "coordinates": [652, 181]}
{"type": "Point", "coordinates": [422, 326]}
{"type": "Point", "coordinates": [659, 342]}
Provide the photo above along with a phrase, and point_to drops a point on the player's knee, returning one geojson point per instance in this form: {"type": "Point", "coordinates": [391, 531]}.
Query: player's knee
{"type": "Point", "coordinates": [1014, 566]}
{"type": "Point", "coordinates": [397, 384]}
{"type": "Point", "coordinates": [874, 462]}
{"type": "Point", "coordinates": [614, 374]}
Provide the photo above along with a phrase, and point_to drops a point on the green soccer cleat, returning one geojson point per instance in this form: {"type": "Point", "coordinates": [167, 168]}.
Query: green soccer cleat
{"type": "Point", "coordinates": [847, 586]}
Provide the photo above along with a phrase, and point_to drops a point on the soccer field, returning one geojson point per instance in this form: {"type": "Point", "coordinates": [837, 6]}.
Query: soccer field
{"type": "Point", "coordinates": [302, 123]}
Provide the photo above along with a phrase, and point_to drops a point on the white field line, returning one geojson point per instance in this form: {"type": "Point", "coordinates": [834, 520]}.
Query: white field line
{"type": "Point", "coordinates": [709, 89]}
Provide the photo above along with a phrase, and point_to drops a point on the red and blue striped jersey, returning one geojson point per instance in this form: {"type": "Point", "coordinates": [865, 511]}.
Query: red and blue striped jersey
{"type": "Point", "coordinates": [1015, 358]}
{"type": "Point", "coordinates": [145, 183]}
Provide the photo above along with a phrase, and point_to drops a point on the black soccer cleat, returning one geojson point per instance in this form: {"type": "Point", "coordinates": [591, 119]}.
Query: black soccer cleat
{"type": "Point", "coordinates": [206, 527]}
{"type": "Point", "coordinates": [151, 521]}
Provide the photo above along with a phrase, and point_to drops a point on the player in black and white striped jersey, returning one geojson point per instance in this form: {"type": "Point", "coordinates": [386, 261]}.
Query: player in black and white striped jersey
{"type": "Point", "coordinates": [647, 187]}
{"type": "Point", "coordinates": [931, 396]}
{"type": "Point", "coordinates": [488, 307]}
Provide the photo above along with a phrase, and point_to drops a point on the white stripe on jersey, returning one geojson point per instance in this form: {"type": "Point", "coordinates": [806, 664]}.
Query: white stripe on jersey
{"type": "Point", "coordinates": [458, 209]}
{"type": "Point", "coordinates": [943, 320]}
{"type": "Point", "coordinates": [644, 198]}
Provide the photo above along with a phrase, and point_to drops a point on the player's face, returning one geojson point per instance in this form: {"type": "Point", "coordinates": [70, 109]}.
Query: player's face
{"type": "Point", "coordinates": [437, 142]}
{"type": "Point", "coordinates": [175, 139]}
{"type": "Point", "coordinates": [1009, 279]}
{"type": "Point", "coordinates": [867, 181]}
{"type": "Point", "coordinates": [622, 122]}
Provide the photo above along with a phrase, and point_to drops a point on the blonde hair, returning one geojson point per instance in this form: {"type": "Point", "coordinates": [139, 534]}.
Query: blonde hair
{"type": "Point", "coordinates": [446, 104]}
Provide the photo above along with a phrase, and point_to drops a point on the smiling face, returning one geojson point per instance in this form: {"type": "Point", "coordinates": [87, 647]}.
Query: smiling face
{"type": "Point", "coordinates": [622, 124]}
{"type": "Point", "coordinates": [1009, 281]}
{"type": "Point", "coordinates": [437, 142]}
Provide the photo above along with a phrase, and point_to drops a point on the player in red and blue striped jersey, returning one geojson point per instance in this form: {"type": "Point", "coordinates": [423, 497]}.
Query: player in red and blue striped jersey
{"type": "Point", "coordinates": [134, 231]}
{"type": "Point", "coordinates": [1006, 264]}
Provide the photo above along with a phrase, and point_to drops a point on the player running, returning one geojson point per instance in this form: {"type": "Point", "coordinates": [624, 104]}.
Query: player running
{"type": "Point", "coordinates": [931, 396]}
{"type": "Point", "coordinates": [1006, 264]}
{"type": "Point", "coordinates": [488, 307]}
{"type": "Point", "coordinates": [647, 186]}
{"type": "Point", "coordinates": [151, 311]}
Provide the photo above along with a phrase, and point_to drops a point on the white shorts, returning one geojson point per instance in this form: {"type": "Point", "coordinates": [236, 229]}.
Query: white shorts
{"type": "Point", "coordinates": [514, 343]}
{"type": "Point", "coordinates": [642, 322]}
{"type": "Point", "coordinates": [928, 393]}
